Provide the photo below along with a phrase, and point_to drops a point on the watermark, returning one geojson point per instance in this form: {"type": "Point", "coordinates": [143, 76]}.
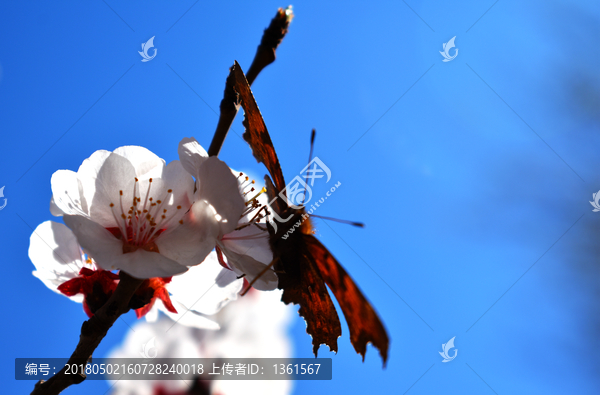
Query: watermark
{"type": "Point", "coordinates": [447, 47]}
{"type": "Point", "coordinates": [2, 197]}
{"type": "Point", "coordinates": [298, 193]}
{"type": "Point", "coordinates": [595, 203]}
{"type": "Point", "coordinates": [147, 348]}
{"type": "Point", "coordinates": [310, 211]}
{"type": "Point", "coordinates": [178, 368]}
{"type": "Point", "coordinates": [145, 48]}
{"type": "Point", "coordinates": [447, 347]}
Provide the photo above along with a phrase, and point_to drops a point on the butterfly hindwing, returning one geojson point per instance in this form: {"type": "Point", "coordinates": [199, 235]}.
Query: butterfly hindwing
{"type": "Point", "coordinates": [299, 279]}
{"type": "Point", "coordinates": [363, 322]}
{"type": "Point", "coordinates": [302, 285]}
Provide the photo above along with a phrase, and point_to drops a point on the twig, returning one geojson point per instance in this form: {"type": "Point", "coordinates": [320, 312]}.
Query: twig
{"type": "Point", "coordinates": [265, 55]}
{"type": "Point", "coordinates": [92, 333]}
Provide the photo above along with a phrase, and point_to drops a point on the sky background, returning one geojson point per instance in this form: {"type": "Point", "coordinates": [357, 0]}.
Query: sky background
{"type": "Point", "coordinates": [473, 176]}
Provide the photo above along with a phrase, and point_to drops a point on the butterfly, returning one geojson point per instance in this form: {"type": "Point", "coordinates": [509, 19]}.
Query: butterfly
{"type": "Point", "coordinates": [304, 266]}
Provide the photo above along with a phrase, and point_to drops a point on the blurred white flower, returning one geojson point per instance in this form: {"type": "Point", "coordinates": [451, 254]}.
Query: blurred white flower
{"type": "Point", "coordinates": [132, 212]}
{"type": "Point", "coordinates": [255, 326]}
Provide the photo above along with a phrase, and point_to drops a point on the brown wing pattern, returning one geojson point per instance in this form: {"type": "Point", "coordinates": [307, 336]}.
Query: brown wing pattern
{"type": "Point", "coordinates": [304, 266]}
{"type": "Point", "coordinates": [365, 326]}
{"type": "Point", "coordinates": [256, 131]}
{"type": "Point", "coordinates": [300, 280]}
{"type": "Point", "coordinates": [303, 285]}
{"type": "Point", "coordinates": [309, 291]}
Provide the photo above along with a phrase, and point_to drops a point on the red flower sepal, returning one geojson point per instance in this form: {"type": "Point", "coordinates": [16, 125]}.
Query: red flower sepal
{"type": "Point", "coordinates": [95, 285]}
{"type": "Point", "coordinates": [146, 295]}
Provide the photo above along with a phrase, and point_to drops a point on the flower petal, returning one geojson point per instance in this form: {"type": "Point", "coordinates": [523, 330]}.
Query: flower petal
{"type": "Point", "coordinates": [245, 264]}
{"type": "Point", "coordinates": [91, 166]}
{"type": "Point", "coordinates": [95, 240]}
{"type": "Point", "coordinates": [189, 317]}
{"type": "Point", "coordinates": [67, 194]}
{"type": "Point", "coordinates": [54, 209]}
{"type": "Point", "coordinates": [88, 172]}
{"type": "Point", "coordinates": [206, 288]}
{"type": "Point", "coordinates": [54, 251]}
{"type": "Point", "coordinates": [175, 179]}
{"type": "Point", "coordinates": [107, 251]}
{"type": "Point", "coordinates": [116, 175]}
{"type": "Point", "coordinates": [219, 187]}
{"type": "Point", "coordinates": [152, 315]}
{"type": "Point", "coordinates": [145, 264]}
{"type": "Point", "coordinates": [251, 241]}
{"type": "Point", "coordinates": [191, 155]}
{"type": "Point", "coordinates": [192, 241]}
{"type": "Point", "coordinates": [146, 163]}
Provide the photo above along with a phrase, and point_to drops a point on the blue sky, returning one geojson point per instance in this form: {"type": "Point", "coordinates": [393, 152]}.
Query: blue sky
{"type": "Point", "coordinates": [473, 176]}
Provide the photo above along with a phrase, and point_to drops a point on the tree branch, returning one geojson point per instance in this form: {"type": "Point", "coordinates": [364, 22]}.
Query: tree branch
{"type": "Point", "coordinates": [265, 55]}
{"type": "Point", "coordinates": [92, 333]}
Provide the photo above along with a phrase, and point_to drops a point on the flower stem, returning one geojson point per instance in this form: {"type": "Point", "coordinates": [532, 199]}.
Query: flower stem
{"type": "Point", "coordinates": [92, 333]}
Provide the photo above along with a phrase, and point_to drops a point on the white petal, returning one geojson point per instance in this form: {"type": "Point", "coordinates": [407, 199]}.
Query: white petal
{"type": "Point", "coordinates": [250, 241]}
{"type": "Point", "coordinates": [245, 264]}
{"type": "Point", "coordinates": [91, 166]}
{"type": "Point", "coordinates": [88, 172]}
{"type": "Point", "coordinates": [192, 241]}
{"type": "Point", "coordinates": [152, 315]}
{"type": "Point", "coordinates": [189, 318]}
{"type": "Point", "coordinates": [95, 240]}
{"type": "Point", "coordinates": [67, 193]}
{"type": "Point", "coordinates": [145, 264]}
{"type": "Point", "coordinates": [145, 162]}
{"type": "Point", "coordinates": [178, 179]}
{"type": "Point", "coordinates": [116, 174]}
{"type": "Point", "coordinates": [54, 210]}
{"type": "Point", "coordinates": [173, 178]}
{"type": "Point", "coordinates": [206, 288]}
{"type": "Point", "coordinates": [56, 255]}
{"type": "Point", "coordinates": [219, 187]}
{"type": "Point", "coordinates": [191, 155]}
{"type": "Point", "coordinates": [108, 254]}
{"type": "Point", "coordinates": [245, 188]}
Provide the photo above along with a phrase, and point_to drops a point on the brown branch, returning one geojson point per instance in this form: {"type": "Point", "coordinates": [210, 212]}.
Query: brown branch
{"type": "Point", "coordinates": [92, 333]}
{"type": "Point", "coordinates": [265, 55]}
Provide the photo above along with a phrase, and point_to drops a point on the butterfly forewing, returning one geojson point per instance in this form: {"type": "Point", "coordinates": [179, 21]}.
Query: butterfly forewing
{"type": "Point", "coordinates": [256, 131]}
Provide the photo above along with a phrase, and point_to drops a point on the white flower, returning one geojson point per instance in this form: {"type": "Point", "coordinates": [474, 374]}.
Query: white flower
{"type": "Point", "coordinates": [255, 326]}
{"type": "Point", "coordinates": [202, 291]}
{"type": "Point", "coordinates": [246, 246]}
{"type": "Point", "coordinates": [132, 212]}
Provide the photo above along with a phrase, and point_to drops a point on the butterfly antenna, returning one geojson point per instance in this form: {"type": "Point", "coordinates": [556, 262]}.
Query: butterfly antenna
{"type": "Point", "coordinates": [343, 221]}
{"type": "Point", "coordinates": [312, 146]}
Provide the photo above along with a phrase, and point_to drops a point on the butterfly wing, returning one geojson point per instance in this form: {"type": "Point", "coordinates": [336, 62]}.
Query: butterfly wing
{"type": "Point", "coordinates": [308, 290]}
{"type": "Point", "coordinates": [303, 264]}
{"type": "Point", "coordinates": [364, 324]}
{"type": "Point", "coordinates": [299, 279]}
{"type": "Point", "coordinates": [256, 131]}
